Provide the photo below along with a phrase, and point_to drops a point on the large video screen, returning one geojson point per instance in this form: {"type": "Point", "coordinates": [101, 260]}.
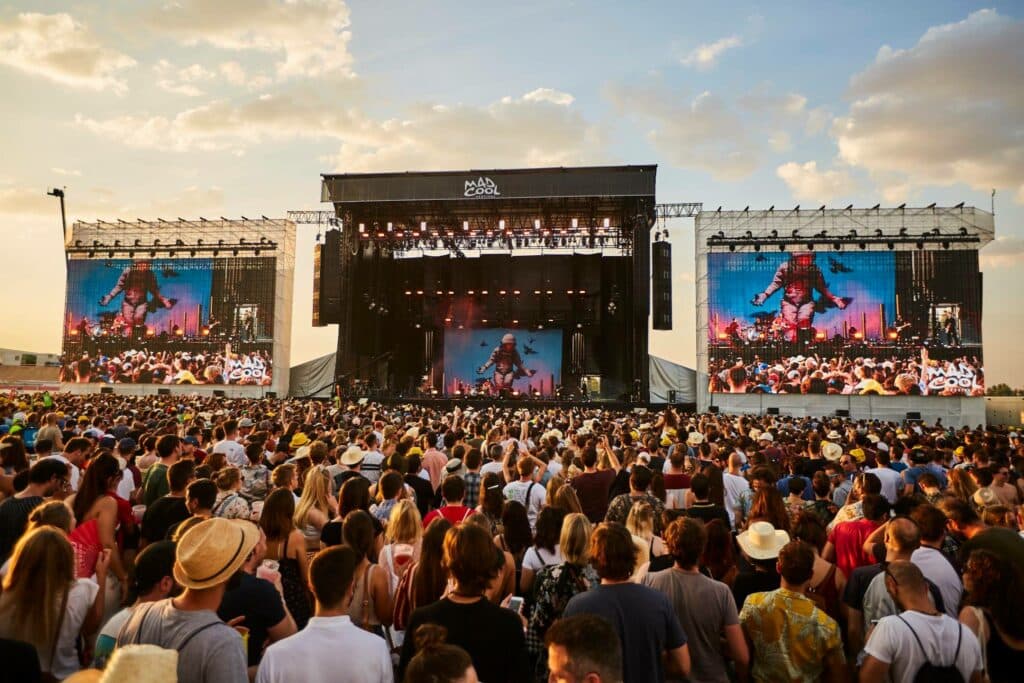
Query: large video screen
{"type": "Point", "coordinates": [170, 321]}
{"type": "Point", "coordinates": [496, 362]}
{"type": "Point", "coordinates": [851, 323]}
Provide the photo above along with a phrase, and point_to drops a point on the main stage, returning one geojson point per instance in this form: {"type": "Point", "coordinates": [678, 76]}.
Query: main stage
{"type": "Point", "coordinates": [490, 285]}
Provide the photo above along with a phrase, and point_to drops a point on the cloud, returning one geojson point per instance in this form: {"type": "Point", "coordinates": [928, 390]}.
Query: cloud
{"type": "Point", "coordinates": [21, 203]}
{"type": "Point", "coordinates": [514, 130]}
{"type": "Point", "coordinates": [1003, 252]}
{"type": "Point", "coordinates": [549, 95]}
{"type": "Point", "coordinates": [807, 183]}
{"type": "Point", "coordinates": [705, 133]}
{"type": "Point", "coordinates": [181, 81]}
{"type": "Point", "coordinates": [947, 110]}
{"type": "Point", "coordinates": [706, 56]}
{"type": "Point", "coordinates": [309, 38]}
{"type": "Point", "coordinates": [523, 131]}
{"type": "Point", "coordinates": [58, 48]}
{"type": "Point", "coordinates": [65, 171]}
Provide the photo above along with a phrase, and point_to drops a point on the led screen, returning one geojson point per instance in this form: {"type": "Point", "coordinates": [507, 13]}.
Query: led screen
{"type": "Point", "coordinates": [496, 361]}
{"type": "Point", "coordinates": [836, 322]}
{"type": "Point", "coordinates": [169, 321]}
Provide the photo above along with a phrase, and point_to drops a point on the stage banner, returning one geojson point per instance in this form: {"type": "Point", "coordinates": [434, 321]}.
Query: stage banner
{"type": "Point", "coordinates": [861, 323]}
{"type": "Point", "coordinates": [492, 361]}
{"type": "Point", "coordinates": [169, 321]}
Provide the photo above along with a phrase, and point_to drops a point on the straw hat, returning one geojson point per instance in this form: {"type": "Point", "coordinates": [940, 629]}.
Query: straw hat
{"type": "Point", "coordinates": [762, 541]}
{"type": "Point", "coordinates": [212, 551]}
{"type": "Point", "coordinates": [352, 457]}
{"type": "Point", "coordinates": [831, 451]}
{"type": "Point", "coordinates": [142, 664]}
{"type": "Point", "coordinates": [834, 436]}
{"type": "Point", "coordinates": [695, 439]}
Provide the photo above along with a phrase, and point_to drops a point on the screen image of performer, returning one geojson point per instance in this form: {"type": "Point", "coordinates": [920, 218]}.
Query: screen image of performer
{"type": "Point", "coordinates": [141, 292]}
{"type": "Point", "coordinates": [507, 363]}
{"type": "Point", "coordinates": [799, 278]}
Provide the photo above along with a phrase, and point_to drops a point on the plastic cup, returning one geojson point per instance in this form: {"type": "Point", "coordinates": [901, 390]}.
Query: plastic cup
{"type": "Point", "coordinates": [403, 554]}
{"type": "Point", "coordinates": [268, 570]}
{"type": "Point", "coordinates": [138, 511]}
{"type": "Point", "coordinates": [257, 510]}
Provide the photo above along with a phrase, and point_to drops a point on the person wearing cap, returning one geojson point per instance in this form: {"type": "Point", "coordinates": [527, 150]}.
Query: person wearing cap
{"type": "Point", "coordinates": [245, 426]}
{"type": "Point", "coordinates": [206, 559]}
{"type": "Point", "coordinates": [152, 580]}
{"type": "Point", "coordinates": [331, 647]}
{"type": "Point", "coordinates": [191, 448]}
{"type": "Point", "coordinates": [233, 451]}
{"type": "Point", "coordinates": [791, 639]}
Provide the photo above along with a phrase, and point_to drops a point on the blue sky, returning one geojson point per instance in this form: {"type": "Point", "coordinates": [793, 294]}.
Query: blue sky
{"type": "Point", "coordinates": [234, 107]}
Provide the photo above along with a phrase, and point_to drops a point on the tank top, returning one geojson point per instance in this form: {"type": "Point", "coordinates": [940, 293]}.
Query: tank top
{"type": "Point", "coordinates": [363, 616]}
{"type": "Point", "coordinates": [825, 595]}
{"type": "Point", "coordinates": [1004, 662]}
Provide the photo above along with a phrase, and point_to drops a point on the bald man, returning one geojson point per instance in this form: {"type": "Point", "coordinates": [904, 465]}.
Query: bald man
{"type": "Point", "coordinates": [904, 646]}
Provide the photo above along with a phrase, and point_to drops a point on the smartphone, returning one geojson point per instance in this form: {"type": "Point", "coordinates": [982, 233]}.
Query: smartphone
{"type": "Point", "coordinates": [516, 604]}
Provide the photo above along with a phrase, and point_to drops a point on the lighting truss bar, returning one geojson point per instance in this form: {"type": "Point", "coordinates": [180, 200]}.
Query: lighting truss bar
{"type": "Point", "coordinates": [682, 210]}
{"type": "Point", "coordinates": [167, 248]}
{"type": "Point", "coordinates": [929, 238]}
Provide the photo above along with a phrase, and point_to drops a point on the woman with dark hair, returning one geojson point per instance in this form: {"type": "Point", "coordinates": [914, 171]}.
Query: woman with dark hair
{"type": "Point", "coordinates": [492, 635]}
{"type": "Point", "coordinates": [515, 537]}
{"type": "Point", "coordinates": [353, 495]}
{"type": "Point", "coordinates": [544, 552]}
{"type": "Point", "coordinates": [436, 661]}
{"type": "Point", "coordinates": [994, 604]}
{"type": "Point", "coordinates": [286, 545]}
{"type": "Point", "coordinates": [100, 512]}
{"type": "Point", "coordinates": [827, 583]}
{"type": "Point", "coordinates": [491, 501]}
{"type": "Point", "coordinates": [425, 581]}
{"type": "Point", "coordinates": [371, 607]}
{"type": "Point", "coordinates": [719, 558]}
{"type": "Point", "coordinates": [768, 506]}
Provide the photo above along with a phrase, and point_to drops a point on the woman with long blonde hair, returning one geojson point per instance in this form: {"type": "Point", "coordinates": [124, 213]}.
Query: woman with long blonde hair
{"type": "Point", "coordinates": [405, 528]}
{"type": "Point", "coordinates": [640, 524]}
{"type": "Point", "coordinates": [43, 603]}
{"type": "Point", "coordinates": [962, 486]}
{"type": "Point", "coordinates": [315, 508]}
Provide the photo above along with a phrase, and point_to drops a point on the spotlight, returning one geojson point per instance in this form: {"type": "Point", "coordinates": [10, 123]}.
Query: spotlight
{"type": "Point", "coordinates": [891, 245]}
{"type": "Point", "coordinates": [810, 246]}
{"type": "Point", "coordinates": [920, 245]}
{"type": "Point", "coordinates": [837, 246]}
{"type": "Point", "coordinates": [732, 247]}
{"type": "Point", "coordinates": [819, 336]}
{"type": "Point", "coordinates": [782, 247]}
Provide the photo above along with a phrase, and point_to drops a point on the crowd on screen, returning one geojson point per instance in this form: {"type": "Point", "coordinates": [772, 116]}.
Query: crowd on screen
{"type": "Point", "coordinates": [170, 367]}
{"type": "Point", "coordinates": [222, 541]}
{"type": "Point", "coordinates": [844, 376]}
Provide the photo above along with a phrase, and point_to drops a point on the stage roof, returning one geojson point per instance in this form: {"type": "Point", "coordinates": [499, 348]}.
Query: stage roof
{"type": "Point", "coordinates": [488, 185]}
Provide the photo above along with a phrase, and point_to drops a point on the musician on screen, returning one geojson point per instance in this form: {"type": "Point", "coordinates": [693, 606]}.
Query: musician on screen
{"type": "Point", "coordinates": [508, 364]}
{"type": "Point", "coordinates": [141, 292]}
{"type": "Point", "coordinates": [798, 278]}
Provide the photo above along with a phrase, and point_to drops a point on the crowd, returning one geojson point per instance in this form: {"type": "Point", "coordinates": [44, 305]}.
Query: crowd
{"type": "Point", "coordinates": [143, 366]}
{"type": "Point", "coordinates": [845, 376]}
{"type": "Point", "coordinates": [217, 540]}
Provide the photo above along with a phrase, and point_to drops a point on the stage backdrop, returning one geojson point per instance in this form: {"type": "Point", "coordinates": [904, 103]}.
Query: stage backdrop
{"type": "Point", "coordinates": [170, 321]}
{"type": "Point", "coordinates": [476, 360]}
{"type": "Point", "coordinates": [866, 322]}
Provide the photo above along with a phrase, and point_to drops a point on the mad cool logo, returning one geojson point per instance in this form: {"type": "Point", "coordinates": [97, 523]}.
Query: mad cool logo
{"type": "Point", "coordinates": [955, 376]}
{"type": "Point", "coordinates": [247, 370]}
{"type": "Point", "coordinates": [481, 187]}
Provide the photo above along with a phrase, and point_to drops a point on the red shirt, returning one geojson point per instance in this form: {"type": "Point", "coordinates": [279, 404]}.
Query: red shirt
{"type": "Point", "coordinates": [456, 514]}
{"type": "Point", "coordinates": [592, 489]}
{"type": "Point", "coordinates": [848, 540]}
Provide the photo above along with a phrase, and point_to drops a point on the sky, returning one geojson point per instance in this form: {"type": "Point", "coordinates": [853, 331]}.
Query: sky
{"type": "Point", "coordinates": [193, 108]}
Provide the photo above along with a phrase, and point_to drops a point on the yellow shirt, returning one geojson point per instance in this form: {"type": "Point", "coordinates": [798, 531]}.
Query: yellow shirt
{"type": "Point", "coordinates": [791, 636]}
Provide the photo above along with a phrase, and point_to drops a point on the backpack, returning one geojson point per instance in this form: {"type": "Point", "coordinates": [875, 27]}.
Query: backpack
{"type": "Point", "coordinates": [930, 672]}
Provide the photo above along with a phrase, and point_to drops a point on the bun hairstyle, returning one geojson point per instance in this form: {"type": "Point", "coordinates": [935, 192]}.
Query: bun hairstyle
{"type": "Point", "coordinates": [436, 661]}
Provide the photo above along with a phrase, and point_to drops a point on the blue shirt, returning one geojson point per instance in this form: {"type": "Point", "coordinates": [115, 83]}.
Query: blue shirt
{"type": "Point", "coordinates": [783, 486]}
{"type": "Point", "coordinates": [645, 621]}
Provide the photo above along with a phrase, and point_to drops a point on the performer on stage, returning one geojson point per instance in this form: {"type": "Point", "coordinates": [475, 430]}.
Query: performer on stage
{"type": "Point", "coordinates": [508, 364]}
{"type": "Point", "coordinates": [138, 282]}
{"type": "Point", "coordinates": [799, 278]}
{"type": "Point", "coordinates": [733, 330]}
{"type": "Point", "coordinates": [949, 327]}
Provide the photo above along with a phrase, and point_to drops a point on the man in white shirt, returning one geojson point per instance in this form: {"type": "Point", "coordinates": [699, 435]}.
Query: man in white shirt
{"type": "Point", "coordinates": [233, 451]}
{"type": "Point", "coordinates": [494, 464]}
{"type": "Point", "coordinates": [526, 490]}
{"type": "Point", "coordinates": [75, 452]}
{"type": "Point", "coordinates": [330, 643]}
{"type": "Point", "coordinates": [735, 486]}
{"type": "Point", "coordinates": [900, 646]}
{"type": "Point", "coordinates": [933, 564]}
{"type": "Point", "coordinates": [372, 459]}
{"type": "Point", "coordinates": [890, 478]}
